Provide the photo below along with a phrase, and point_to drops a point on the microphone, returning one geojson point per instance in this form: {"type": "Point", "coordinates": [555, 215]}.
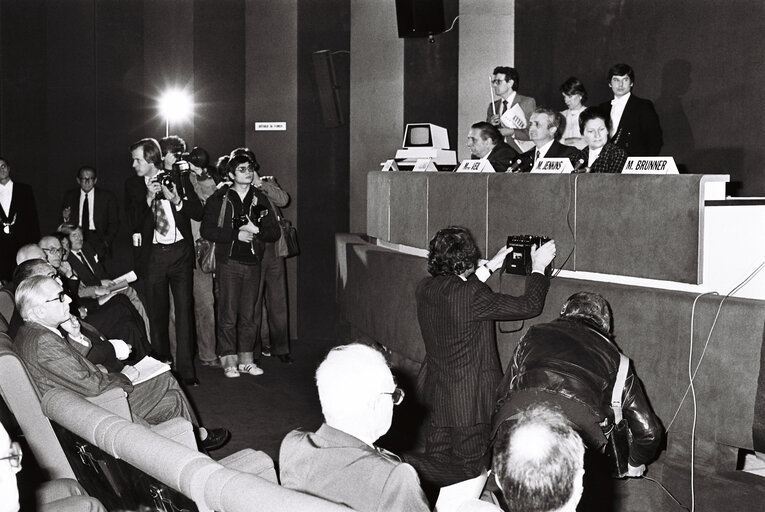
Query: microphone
{"type": "Point", "coordinates": [579, 167]}
{"type": "Point", "coordinates": [516, 165]}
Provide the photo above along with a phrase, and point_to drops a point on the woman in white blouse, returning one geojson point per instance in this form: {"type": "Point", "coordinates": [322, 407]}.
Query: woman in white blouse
{"type": "Point", "coordinates": [574, 95]}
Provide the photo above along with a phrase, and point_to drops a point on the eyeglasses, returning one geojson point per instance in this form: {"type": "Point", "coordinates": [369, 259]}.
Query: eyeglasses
{"type": "Point", "coordinates": [243, 170]}
{"type": "Point", "coordinates": [14, 459]}
{"type": "Point", "coordinates": [61, 297]}
{"type": "Point", "coordinates": [397, 395]}
{"type": "Point", "coordinates": [87, 180]}
{"type": "Point", "coordinates": [497, 81]}
{"type": "Point", "coordinates": [52, 250]}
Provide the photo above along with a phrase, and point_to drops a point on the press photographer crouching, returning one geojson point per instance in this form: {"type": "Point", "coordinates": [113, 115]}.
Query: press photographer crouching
{"type": "Point", "coordinates": [573, 364]}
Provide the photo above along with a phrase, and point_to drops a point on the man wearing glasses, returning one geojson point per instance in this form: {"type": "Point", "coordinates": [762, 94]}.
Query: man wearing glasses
{"type": "Point", "coordinates": [94, 209]}
{"type": "Point", "coordinates": [515, 128]}
{"type": "Point", "coordinates": [339, 462]}
{"type": "Point", "coordinates": [62, 495]}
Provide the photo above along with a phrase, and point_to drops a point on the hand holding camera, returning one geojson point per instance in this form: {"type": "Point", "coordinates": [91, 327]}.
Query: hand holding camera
{"type": "Point", "coordinates": [542, 256]}
{"type": "Point", "coordinates": [499, 259]}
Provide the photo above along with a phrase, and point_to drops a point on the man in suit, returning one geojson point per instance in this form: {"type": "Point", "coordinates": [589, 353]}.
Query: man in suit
{"type": "Point", "coordinates": [53, 363]}
{"type": "Point", "coordinates": [339, 462]}
{"type": "Point", "coordinates": [545, 129]}
{"type": "Point", "coordinates": [94, 209]}
{"type": "Point", "coordinates": [485, 141]}
{"type": "Point", "coordinates": [504, 82]}
{"type": "Point", "coordinates": [456, 312]}
{"type": "Point", "coordinates": [19, 224]}
{"type": "Point", "coordinates": [635, 125]}
{"type": "Point", "coordinates": [159, 218]}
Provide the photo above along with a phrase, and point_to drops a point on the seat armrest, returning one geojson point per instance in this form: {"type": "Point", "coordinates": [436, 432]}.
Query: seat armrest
{"type": "Point", "coordinates": [179, 430]}
{"type": "Point", "coordinates": [113, 400]}
{"type": "Point", "coordinates": [253, 462]}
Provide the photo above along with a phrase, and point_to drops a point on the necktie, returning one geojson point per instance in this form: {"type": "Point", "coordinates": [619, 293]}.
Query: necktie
{"type": "Point", "coordinates": [161, 224]}
{"type": "Point", "coordinates": [504, 106]}
{"type": "Point", "coordinates": [85, 217]}
{"type": "Point", "coordinates": [536, 157]}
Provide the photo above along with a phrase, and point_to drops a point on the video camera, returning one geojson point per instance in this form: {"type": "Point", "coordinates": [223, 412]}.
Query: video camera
{"type": "Point", "coordinates": [519, 261]}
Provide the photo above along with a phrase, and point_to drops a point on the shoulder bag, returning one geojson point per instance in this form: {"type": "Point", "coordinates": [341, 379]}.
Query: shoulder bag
{"type": "Point", "coordinates": [205, 249]}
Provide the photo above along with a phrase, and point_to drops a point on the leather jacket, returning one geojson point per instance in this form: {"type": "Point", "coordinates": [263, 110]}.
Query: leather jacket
{"type": "Point", "coordinates": [574, 366]}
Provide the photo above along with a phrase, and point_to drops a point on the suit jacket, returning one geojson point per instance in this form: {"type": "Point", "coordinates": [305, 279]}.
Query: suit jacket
{"type": "Point", "coordinates": [88, 277]}
{"type": "Point", "coordinates": [639, 131]}
{"type": "Point", "coordinates": [106, 215]}
{"type": "Point", "coordinates": [53, 363]}
{"type": "Point", "coordinates": [610, 160]}
{"type": "Point", "coordinates": [25, 229]}
{"type": "Point", "coordinates": [343, 469]}
{"type": "Point", "coordinates": [141, 219]}
{"type": "Point", "coordinates": [557, 150]}
{"type": "Point", "coordinates": [527, 105]}
{"type": "Point", "coordinates": [501, 157]}
{"type": "Point", "coordinates": [456, 319]}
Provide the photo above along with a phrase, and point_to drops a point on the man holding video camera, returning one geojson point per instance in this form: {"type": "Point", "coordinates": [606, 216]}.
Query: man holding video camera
{"type": "Point", "coordinates": [462, 370]}
{"type": "Point", "coordinates": [159, 207]}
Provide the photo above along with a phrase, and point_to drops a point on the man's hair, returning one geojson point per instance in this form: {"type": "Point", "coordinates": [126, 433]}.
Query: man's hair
{"type": "Point", "coordinates": [349, 379]}
{"type": "Point", "coordinates": [621, 70]}
{"type": "Point", "coordinates": [452, 251]}
{"type": "Point", "coordinates": [555, 118]}
{"type": "Point", "coordinates": [25, 251]}
{"type": "Point", "coordinates": [537, 459]}
{"type": "Point", "coordinates": [510, 74]}
{"type": "Point", "coordinates": [572, 86]}
{"type": "Point", "coordinates": [67, 228]}
{"type": "Point", "coordinates": [590, 308]}
{"type": "Point", "coordinates": [249, 154]}
{"type": "Point", "coordinates": [488, 131]}
{"type": "Point", "coordinates": [87, 168]}
{"type": "Point", "coordinates": [151, 151]}
{"type": "Point", "coordinates": [27, 296]}
{"type": "Point", "coordinates": [199, 157]}
{"type": "Point", "coordinates": [591, 113]}
{"type": "Point", "coordinates": [172, 144]}
{"type": "Point", "coordinates": [29, 268]}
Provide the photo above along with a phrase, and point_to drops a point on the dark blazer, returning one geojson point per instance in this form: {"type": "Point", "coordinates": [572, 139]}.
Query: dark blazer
{"type": "Point", "coordinates": [457, 323]}
{"type": "Point", "coordinates": [557, 150]}
{"type": "Point", "coordinates": [501, 157]}
{"type": "Point", "coordinates": [25, 230]}
{"type": "Point", "coordinates": [610, 160]}
{"type": "Point", "coordinates": [87, 277]}
{"type": "Point", "coordinates": [639, 131]}
{"type": "Point", "coordinates": [141, 219]}
{"type": "Point", "coordinates": [106, 216]}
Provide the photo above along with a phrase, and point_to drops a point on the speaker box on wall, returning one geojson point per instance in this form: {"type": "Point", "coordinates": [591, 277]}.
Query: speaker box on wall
{"type": "Point", "coordinates": [329, 97]}
{"type": "Point", "coordinates": [419, 18]}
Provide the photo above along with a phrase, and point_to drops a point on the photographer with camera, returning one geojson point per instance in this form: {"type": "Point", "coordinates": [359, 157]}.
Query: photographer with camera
{"type": "Point", "coordinates": [240, 222]}
{"type": "Point", "coordinates": [456, 312]}
{"type": "Point", "coordinates": [160, 206]}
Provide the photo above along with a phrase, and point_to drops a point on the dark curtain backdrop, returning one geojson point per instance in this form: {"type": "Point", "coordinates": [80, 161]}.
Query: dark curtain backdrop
{"type": "Point", "coordinates": [702, 62]}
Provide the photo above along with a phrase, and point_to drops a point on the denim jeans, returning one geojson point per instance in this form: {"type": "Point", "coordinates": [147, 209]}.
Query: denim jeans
{"type": "Point", "coordinates": [238, 288]}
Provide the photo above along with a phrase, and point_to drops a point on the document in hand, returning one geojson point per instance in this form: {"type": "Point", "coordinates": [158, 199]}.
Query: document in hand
{"type": "Point", "coordinates": [148, 368]}
{"type": "Point", "coordinates": [514, 118]}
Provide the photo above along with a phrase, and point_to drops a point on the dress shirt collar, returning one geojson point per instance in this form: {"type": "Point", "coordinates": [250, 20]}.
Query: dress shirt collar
{"type": "Point", "coordinates": [621, 101]}
{"type": "Point", "coordinates": [544, 149]}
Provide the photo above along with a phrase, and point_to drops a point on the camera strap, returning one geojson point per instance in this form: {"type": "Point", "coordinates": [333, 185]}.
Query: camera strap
{"type": "Point", "coordinates": [616, 394]}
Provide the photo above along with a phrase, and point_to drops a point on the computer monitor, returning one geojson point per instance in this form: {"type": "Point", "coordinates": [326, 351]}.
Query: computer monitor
{"type": "Point", "coordinates": [425, 135]}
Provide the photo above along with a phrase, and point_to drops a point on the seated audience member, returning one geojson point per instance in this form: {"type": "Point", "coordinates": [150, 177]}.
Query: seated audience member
{"type": "Point", "coordinates": [456, 313]}
{"type": "Point", "coordinates": [94, 209]}
{"type": "Point", "coordinates": [505, 82]}
{"type": "Point", "coordinates": [117, 317]}
{"type": "Point", "coordinates": [572, 363]}
{"type": "Point", "coordinates": [574, 96]}
{"type": "Point", "coordinates": [485, 142]}
{"type": "Point", "coordinates": [52, 362]}
{"type": "Point", "coordinates": [62, 495]}
{"type": "Point", "coordinates": [634, 124]}
{"type": "Point", "coordinates": [600, 155]}
{"type": "Point", "coordinates": [545, 129]}
{"type": "Point", "coordinates": [29, 252]}
{"type": "Point", "coordinates": [339, 462]}
{"type": "Point", "coordinates": [90, 271]}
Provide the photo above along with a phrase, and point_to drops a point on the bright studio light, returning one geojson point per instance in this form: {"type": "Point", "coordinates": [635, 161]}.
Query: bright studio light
{"type": "Point", "coordinates": [176, 105]}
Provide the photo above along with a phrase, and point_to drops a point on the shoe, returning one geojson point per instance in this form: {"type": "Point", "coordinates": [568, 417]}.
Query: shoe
{"type": "Point", "coordinates": [190, 382]}
{"type": "Point", "coordinates": [215, 363]}
{"type": "Point", "coordinates": [252, 369]}
{"type": "Point", "coordinates": [231, 372]}
{"type": "Point", "coordinates": [286, 358]}
{"type": "Point", "coordinates": [216, 438]}
{"type": "Point", "coordinates": [266, 351]}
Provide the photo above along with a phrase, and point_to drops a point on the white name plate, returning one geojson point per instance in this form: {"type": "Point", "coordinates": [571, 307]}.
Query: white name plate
{"type": "Point", "coordinates": [650, 165]}
{"type": "Point", "coordinates": [273, 126]}
{"type": "Point", "coordinates": [424, 165]}
{"type": "Point", "coordinates": [475, 166]}
{"type": "Point", "coordinates": [389, 165]}
{"type": "Point", "coordinates": [553, 166]}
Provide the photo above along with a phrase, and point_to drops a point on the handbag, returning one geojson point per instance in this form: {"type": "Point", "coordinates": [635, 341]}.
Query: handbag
{"type": "Point", "coordinates": [205, 249]}
{"type": "Point", "coordinates": [287, 245]}
{"type": "Point", "coordinates": [619, 437]}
